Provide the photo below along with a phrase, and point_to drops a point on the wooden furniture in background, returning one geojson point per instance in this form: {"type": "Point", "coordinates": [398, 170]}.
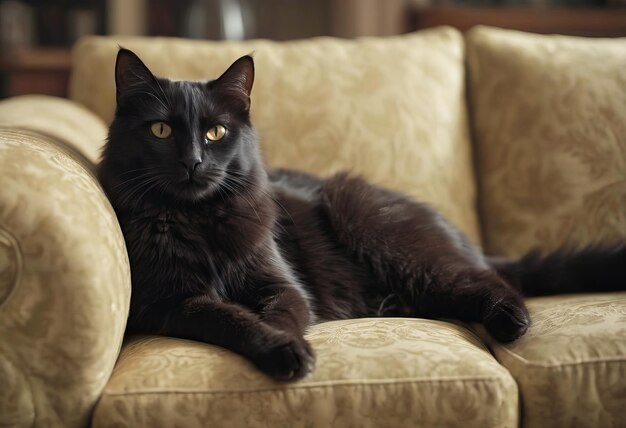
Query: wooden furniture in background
{"type": "Point", "coordinates": [589, 22]}
{"type": "Point", "coordinates": [36, 71]}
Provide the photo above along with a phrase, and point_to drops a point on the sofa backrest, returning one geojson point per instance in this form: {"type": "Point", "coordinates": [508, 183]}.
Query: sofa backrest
{"type": "Point", "coordinates": [391, 109]}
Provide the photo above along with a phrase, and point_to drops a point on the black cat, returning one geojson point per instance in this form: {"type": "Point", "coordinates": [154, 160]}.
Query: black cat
{"type": "Point", "coordinates": [224, 252]}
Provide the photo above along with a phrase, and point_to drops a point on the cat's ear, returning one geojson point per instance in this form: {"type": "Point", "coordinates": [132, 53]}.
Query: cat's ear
{"type": "Point", "coordinates": [130, 73]}
{"type": "Point", "coordinates": [238, 79]}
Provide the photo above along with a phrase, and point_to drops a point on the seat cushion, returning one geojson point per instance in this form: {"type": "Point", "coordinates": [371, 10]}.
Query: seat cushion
{"type": "Point", "coordinates": [571, 366]}
{"type": "Point", "coordinates": [550, 131]}
{"type": "Point", "coordinates": [391, 109]}
{"type": "Point", "coordinates": [370, 372]}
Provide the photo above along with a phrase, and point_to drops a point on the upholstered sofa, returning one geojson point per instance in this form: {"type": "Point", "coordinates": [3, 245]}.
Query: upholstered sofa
{"type": "Point", "coordinates": [519, 139]}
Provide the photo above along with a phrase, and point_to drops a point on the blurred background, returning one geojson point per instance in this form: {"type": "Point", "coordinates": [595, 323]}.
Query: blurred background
{"type": "Point", "coordinates": [36, 35]}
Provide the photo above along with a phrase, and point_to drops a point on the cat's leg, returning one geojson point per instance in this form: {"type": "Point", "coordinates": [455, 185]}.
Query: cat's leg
{"type": "Point", "coordinates": [280, 299]}
{"type": "Point", "coordinates": [282, 303]}
{"type": "Point", "coordinates": [282, 355]}
{"type": "Point", "coordinates": [416, 254]}
{"type": "Point", "coordinates": [283, 308]}
{"type": "Point", "coordinates": [475, 295]}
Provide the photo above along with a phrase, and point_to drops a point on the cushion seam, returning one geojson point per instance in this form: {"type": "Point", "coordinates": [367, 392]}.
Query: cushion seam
{"type": "Point", "coordinates": [499, 380]}
{"type": "Point", "coordinates": [564, 364]}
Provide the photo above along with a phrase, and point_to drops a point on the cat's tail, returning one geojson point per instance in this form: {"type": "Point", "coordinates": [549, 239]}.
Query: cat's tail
{"type": "Point", "coordinates": [591, 269]}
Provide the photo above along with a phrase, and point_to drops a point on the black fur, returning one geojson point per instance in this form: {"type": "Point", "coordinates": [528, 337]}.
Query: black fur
{"type": "Point", "coordinates": [568, 270]}
{"type": "Point", "coordinates": [224, 252]}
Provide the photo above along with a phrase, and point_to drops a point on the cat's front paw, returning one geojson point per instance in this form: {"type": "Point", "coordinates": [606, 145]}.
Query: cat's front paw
{"type": "Point", "coordinates": [507, 321]}
{"type": "Point", "coordinates": [289, 360]}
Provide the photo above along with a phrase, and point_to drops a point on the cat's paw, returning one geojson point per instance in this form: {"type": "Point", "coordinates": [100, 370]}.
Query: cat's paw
{"type": "Point", "coordinates": [507, 321]}
{"type": "Point", "coordinates": [289, 360]}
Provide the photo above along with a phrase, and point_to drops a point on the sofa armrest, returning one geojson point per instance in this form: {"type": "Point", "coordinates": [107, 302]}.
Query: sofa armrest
{"type": "Point", "coordinates": [64, 283]}
{"type": "Point", "coordinates": [63, 120]}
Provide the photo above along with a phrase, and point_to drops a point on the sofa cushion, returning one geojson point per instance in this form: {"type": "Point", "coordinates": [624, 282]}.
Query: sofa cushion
{"type": "Point", "coordinates": [550, 131]}
{"type": "Point", "coordinates": [370, 372]}
{"type": "Point", "coordinates": [391, 109]}
{"type": "Point", "coordinates": [571, 366]}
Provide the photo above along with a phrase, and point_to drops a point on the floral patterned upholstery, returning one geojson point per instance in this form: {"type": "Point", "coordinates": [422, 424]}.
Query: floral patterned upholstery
{"type": "Point", "coordinates": [550, 136]}
{"type": "Point", "coordinates": [64, 282]}
{"type": "Point", "coordinates": [67, 123]}
{"type": "Point", "coordinates": [370, 373]}
{"type": "Point", "coordinates": [571, 366]}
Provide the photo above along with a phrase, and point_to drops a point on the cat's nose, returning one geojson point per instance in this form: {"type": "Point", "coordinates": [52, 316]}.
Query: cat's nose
{"type": "Point", "coordinates": [190, 164]}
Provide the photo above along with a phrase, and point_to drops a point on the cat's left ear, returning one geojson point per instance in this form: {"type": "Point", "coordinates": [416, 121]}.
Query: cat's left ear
{"type": "Point", "coordinates": [238, 79]}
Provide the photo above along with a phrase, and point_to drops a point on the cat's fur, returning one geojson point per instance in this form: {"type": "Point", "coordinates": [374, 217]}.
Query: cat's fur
{"type": "Point", "coordinates": [222, 251]}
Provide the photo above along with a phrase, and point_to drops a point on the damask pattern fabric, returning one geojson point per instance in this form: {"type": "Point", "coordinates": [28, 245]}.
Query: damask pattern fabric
{"type": "Point", "coordinates": [571, 366]}
{"type": "Point", "coordinates": [326, 105]}
{"type": "Point", "coordinates": [64, 121]}
{"type": "Point", "coordinates": [370, 373]}
{"type": "Point", "coordinates": [549, 115]}
{"type": "Point", "coordinates": [64, 284]}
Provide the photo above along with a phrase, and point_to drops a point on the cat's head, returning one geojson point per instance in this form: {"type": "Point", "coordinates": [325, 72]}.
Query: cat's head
{"type": "Point", "coordinates": [180, 140]}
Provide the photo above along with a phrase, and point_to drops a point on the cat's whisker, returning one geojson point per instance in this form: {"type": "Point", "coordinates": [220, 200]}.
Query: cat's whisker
{"type": "Point", "coordinates": [166, 98]}
{"type": "Point", "coordinates": [139, 177]}
{"type": "Point", "coordinates": [221, 194]}
{"type": "Point", "coordinates": [135, 170]}
{"type": "Point", "coordinates": [244, 197]}
{"type": "Point", "coordinates": [154, 184]}
{"type": "Point", "coordinates": [163, 104]}
{"type": "Point", "coordinates": [248, 180]}
{"type": "Point", "coordinates": [140, 81]}
{"type": "Point", "coordinates": [135, 190]}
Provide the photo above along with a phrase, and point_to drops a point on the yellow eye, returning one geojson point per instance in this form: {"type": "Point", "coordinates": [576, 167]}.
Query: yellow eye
{"type": "Point", "coordinates": [216, 133]}
{"type": "Point", "coordinates": [161, 130]}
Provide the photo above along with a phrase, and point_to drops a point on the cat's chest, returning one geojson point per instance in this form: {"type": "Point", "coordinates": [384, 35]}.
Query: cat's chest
{"type": "Point", "coordinates": [169, 227]}
{"type": "Point", "coordinates": [174, 252]}
{"type": "Point", "coordinates": [164, 234]}
{"type": "Point", "coordinates": [191, 250]}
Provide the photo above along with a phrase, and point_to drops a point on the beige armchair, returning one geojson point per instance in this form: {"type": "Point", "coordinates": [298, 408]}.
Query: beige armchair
{"type": "Point", "coordinates": [543, 164]}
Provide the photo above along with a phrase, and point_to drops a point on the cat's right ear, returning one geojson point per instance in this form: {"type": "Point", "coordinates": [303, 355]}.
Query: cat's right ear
{"type": "Point", "coordinates": [236, 82]}
{"type": "Point", "coordinates": [130, 73]}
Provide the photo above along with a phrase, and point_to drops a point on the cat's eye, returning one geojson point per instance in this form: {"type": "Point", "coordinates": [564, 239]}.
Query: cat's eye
{"type": "Point", "coordinates": [161, 130]}
{"type": "Point", "coordinates": [216, 133]}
